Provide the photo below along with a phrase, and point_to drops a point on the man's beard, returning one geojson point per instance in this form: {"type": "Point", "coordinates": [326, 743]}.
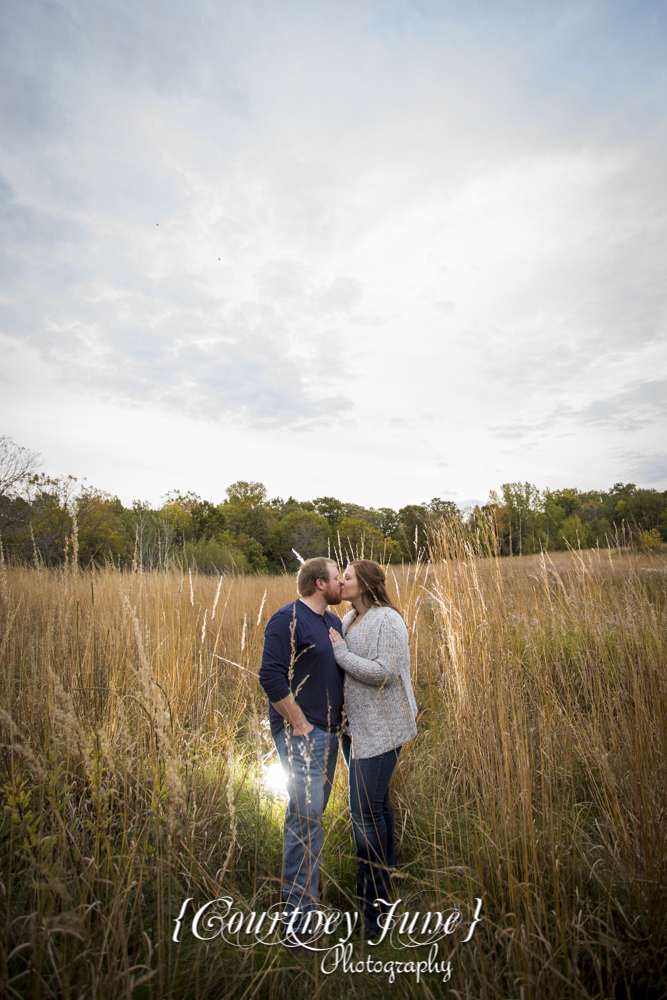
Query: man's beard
{"type": "Point", "coordinates": [332, 594]}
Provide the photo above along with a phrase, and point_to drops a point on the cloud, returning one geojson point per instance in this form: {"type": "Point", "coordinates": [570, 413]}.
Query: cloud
{"type": "Point", "coordinates": [649, 469]}
{"type": "Point", "coordinates": [640, 405]}
{"type": "Point", "coordinates": [436, 218]}
{"type": "Point", "coordinates": [229, 361]}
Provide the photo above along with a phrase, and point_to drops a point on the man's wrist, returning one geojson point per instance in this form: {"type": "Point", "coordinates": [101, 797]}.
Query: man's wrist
{"type": "Point", "coordinates": [302, 729]}
{"type": "Point", "coordinates": [293, 715]}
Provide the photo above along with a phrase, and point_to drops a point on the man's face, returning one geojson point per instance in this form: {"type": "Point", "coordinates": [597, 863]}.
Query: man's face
{"type": "Point", "coordinates": [331, 587]}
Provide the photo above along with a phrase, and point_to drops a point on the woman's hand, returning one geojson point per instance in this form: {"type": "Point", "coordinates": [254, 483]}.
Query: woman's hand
{"type": "Point", "coordinates": [335, 636]}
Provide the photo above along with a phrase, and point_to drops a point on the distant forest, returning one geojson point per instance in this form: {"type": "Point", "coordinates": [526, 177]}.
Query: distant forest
{"type": "Point", "coordinates": [51, 522]}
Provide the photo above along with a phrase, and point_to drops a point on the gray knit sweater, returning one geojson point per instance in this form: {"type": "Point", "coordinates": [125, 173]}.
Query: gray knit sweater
{"type": "Point", "coordinates": [379, 702]}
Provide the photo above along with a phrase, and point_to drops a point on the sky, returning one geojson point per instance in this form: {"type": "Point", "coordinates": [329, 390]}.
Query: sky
{"type": "Point", "coordinates": [374, 249]}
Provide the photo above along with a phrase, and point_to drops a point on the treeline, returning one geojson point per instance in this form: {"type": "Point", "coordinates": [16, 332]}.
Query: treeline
{"type": "Point", "coordinates": [51, 522]}
{"type": "Point", "coordinates": [528, 520]}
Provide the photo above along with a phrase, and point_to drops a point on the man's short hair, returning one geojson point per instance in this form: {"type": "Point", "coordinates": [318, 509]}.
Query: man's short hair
{"type": "Point", "coordinates": [312, 570]}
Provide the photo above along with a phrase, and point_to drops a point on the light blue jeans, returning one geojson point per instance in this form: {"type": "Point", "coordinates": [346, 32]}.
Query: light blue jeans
{"type": "Point", "coordinates": [309, 763]}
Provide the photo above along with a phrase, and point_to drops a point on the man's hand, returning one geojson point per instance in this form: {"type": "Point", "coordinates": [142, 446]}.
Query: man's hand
{"type": "Point", "coordinates": [290, 711]}
{"type": "Point", "coordinates": [302, 730]}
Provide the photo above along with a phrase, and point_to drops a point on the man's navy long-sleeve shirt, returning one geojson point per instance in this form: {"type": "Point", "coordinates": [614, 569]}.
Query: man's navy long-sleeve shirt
{"type": "Point", "coordinates": [298, 657]}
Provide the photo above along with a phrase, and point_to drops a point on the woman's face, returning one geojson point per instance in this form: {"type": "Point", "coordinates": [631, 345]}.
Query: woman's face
{"type": "Point", "coordinates": [350, 590]}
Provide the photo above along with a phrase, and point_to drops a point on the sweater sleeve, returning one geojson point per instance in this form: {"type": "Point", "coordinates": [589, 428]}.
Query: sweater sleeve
{"type": "Point", "coordinates": [383, 668]}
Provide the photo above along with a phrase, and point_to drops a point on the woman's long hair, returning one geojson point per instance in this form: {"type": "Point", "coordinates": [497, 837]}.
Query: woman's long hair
{"type": "Point", "coordinates": [372, 584]}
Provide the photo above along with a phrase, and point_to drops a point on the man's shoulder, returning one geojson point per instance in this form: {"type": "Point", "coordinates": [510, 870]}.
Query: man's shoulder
{"type": "Point", "coordinates": [288, 609]}
{"type": "Point", "coordinates": [283, 616]}
{"type": "Point", "coordinates": [295, 611]}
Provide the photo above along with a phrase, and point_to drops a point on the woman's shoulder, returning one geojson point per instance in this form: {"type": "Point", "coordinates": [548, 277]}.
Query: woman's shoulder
{"type": "Point", "coordinates": [390, 616]}
{"type": "Point", "coordinates": [374, 619]}
{"type": "Point", "coordinates": [394, 620]}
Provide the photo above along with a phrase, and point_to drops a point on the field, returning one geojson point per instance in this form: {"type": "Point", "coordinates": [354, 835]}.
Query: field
{"type": "Point", "coordinates": [135, 748]}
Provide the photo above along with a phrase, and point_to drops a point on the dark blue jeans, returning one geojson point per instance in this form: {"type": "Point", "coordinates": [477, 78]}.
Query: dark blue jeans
{"type": "Point", "coordinates": [373, 828]}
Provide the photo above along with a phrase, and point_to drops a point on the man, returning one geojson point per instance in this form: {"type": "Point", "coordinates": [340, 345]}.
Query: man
{"type": "Point", "coordinates": [304, 685]}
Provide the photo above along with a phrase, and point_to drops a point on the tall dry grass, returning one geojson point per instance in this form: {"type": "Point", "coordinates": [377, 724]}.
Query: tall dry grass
{"type": "Point", "coordinates": [134, 740]}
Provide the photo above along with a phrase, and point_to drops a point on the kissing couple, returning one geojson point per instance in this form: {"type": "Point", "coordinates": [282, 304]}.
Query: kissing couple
{"type": "Point", "coordinates": [334, 683]}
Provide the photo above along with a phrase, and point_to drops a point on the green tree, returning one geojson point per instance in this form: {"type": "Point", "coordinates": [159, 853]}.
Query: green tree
{"type": "Point", "coordinates": [143, 528]}
{"type": "Point", "coordinates": [360, 540]}
{"type": "Point", "coordinates": [388, 521]}
{"type": "Point", "coordinates": [645, 508]}
{"type": "Point", "coordinates": [215, 555]}
{"type": "Point", "coordinates": [335, 510]}
{"type": "Point", "coordinates": [205, 520]}
{"type": "Point", "coordinates": [52, 502]}
{"type": "Point", "coordinates": [249, 517]}
{"type": "Point", "coordinates": [246, 492]}
{"type": "Point", "coordinates": [254, 555]}
{"type": "Point", "coordinates": [282, 507]}
{"type": "Point", "coordinates": [100, 528]}
{"type": "Point", "coordinates": [16, 516]}
{"type": "Point", "coordinates": [446, 509]}
{"type": "Point", "coordinates": [662, 526]}
{"type": "Point", "coordinates": [412, 534]}
{"type": "Point", "coordinates": [331, 509]}
{"type": "Point", "coordinates": [600, 531]}
{"type": "Point", "coordinates": [306, 532]}
{"type": "Point", "coordinates": [569, 500]}
{"type": "Point", "coordinates": [517, 517]}
{"type": "Point", "coordinates": [574, 532]}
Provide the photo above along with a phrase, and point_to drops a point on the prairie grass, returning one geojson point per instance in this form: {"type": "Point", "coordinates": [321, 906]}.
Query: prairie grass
{"type": "Point", "coordinates": [134, 744]}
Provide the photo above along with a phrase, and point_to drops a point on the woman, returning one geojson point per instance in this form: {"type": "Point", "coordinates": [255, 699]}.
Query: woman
{"type": "Point", "coordinates": [381, 711]}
